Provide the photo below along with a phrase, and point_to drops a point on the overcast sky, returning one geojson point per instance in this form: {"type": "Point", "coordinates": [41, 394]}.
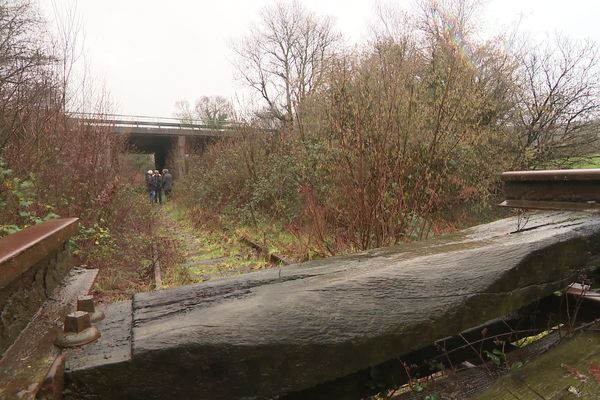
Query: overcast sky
{"type": "Point", "coordinates": [149, 54]}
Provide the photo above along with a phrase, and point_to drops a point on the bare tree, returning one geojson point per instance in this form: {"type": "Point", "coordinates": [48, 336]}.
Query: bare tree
{"type": "Point", "coordinates": [37, 134]}
{"type": "Point", "coordinates": [184, 111]}
{"type": "Point", "coordinates": [557, 102]}
{"type": "Point", "coordinates": [284, 57]}
{"type": "Point", "coordinates": [24, 76]}
{"type": "Point", "coordinates": [214, 111]}
{"type": "Point", "coordinates": [69, 52]}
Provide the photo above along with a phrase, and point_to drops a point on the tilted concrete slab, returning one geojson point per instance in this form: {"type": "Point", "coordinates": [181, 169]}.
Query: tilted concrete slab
{"type": "Point", "coordinates": [274, 332]}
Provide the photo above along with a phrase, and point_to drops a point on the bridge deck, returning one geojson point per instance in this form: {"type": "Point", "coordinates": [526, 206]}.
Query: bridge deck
{"type": "Point", "coordinates": [173, 132]}
{"type": "Point", "coordinates": [159, 126]}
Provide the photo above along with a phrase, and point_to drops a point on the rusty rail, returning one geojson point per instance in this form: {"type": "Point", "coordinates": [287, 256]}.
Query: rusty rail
{"type": "Point", "coordinates": [20, 251]}
{"type": "Point", "coordinates": [37, 289]}
{"type": "Point", "coordinates": [32, 263]}
{"type": "Point", "coordinates": [575, 189]}
{"type": "Point", "coordinates": [271, 257]}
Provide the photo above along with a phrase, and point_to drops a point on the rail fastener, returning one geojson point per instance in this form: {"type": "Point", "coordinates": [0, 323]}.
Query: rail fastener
{"type": "Point", "coordinates": [86, 303]}
{"type": "Point", "coordinates": [78, 330]}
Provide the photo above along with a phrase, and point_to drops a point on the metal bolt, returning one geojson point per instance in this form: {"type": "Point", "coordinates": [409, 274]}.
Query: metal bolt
{"type": "Point", "coordinates": [77, 331]}
{"type": "Point", "coordinates": [86, 303]}
{"type": "Point", "coordinates": [77, 322]}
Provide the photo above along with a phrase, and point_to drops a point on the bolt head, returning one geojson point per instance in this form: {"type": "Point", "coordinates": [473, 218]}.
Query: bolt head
{"type": "Point", "coordinates": [77, 321]}
{"type": "Point", "coordinates": [86, 303]}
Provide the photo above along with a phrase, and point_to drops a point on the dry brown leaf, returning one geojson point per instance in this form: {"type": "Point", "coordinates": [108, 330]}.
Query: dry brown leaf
{"type": "Point", "coordinates": [574, 372]}
{"type": "Point", "coordinates": [595, 371]}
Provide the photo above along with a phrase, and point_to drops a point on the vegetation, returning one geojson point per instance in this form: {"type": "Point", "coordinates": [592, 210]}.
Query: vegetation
{"type": "Point", "coordinates": [213, 111]}
{"type": "Point", "coordinates": [51, 166]}
{"type": "Point", "coordinates": [344, 150]}
{"type": "Point", "coordinates": [197, 255]}
{"type": "Point", "coordinates": [120, 245]}
{"type": "Point", "coordinates": [396, 140]}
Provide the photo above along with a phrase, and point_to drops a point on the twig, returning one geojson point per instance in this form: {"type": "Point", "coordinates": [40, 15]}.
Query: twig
{"type": "Point", "coordinates": [578, 304]}
{"type": "Point", "coordinates": [583, 326]}
{"type": "Point", "coordinates": [477, 353]}
{"type": "Point", "coordinates": [408, 375]}
{"type": "Point", "coordinates": [447, 354]}
{"type": "Point", "coordinates": [491, 338]}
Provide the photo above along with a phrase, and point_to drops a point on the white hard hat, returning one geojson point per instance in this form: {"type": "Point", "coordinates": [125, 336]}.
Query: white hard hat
{"type": "Point", "coordinates": [149, 171]}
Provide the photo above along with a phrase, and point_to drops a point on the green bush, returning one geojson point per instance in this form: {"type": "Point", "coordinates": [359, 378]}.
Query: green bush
{"type": "Point", "coordinates": [20, 205]}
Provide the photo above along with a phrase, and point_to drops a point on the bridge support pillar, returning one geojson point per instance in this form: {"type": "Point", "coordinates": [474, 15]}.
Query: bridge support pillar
{"type": "Point", "coordinates": [179, 158]}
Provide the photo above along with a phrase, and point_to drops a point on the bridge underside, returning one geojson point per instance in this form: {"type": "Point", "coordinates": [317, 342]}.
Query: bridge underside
{"type": "Point", "coordinates": [169, 150]}
{"type": "Point", "coordinates": [168, 139]}
{"type": "Point", "coordinates": [159, 146]}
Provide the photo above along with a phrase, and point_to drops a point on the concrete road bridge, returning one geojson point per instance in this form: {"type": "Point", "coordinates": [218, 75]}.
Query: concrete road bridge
{"type": "Point", "coordinates": [168, 139]}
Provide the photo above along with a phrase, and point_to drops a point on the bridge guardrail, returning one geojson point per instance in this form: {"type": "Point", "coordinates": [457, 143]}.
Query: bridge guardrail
{"type": "Point", "coordinates": [145, 121]}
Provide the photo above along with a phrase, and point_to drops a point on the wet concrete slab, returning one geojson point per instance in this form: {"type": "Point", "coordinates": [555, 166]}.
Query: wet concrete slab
{"type": "Point", "coordinates": [569, 371]}
{"type": "Point", "coordinates": [105, 362]}
{"type": "Point", "coordinates": [113, 346]}
{"type": "Point", "coordinates": [275, 332]}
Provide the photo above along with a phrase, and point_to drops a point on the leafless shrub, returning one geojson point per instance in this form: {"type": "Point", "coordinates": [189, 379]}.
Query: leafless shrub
{"type": "Point", "coordinates": [72, 165]}
{"type": "Point", "coordinates": [389, 140]}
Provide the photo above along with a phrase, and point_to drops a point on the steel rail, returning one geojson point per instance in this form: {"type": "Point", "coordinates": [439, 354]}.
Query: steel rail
{"type": "Point", "coordinates": [575, 189]}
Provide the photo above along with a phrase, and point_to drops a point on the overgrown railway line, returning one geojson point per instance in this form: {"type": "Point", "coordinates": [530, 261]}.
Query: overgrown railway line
{"type": "Point", "coordinates": [346, 327]}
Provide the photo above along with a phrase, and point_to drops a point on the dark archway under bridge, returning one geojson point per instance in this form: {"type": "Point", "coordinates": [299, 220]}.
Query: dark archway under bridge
{"type": "Point", "coordinates": [168, 151]}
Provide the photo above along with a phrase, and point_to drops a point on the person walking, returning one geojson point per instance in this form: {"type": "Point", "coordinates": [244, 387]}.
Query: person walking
{"type": "Point", "coordinates": [167, 183]}
{"type": "Point", "coordinates": [157, 183]}
{"type": "Point", "coordinates": [150, 185]}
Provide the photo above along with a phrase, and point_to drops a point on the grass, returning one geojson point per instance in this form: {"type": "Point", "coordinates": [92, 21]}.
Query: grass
{"type": "Point", "coordinates": [589, 161]}
{"type": "Point", "coordinates": [228, 267]}
{"type": "Point", "coordinates": [277, 240]}
{"type": "Point", "coordinates": [592, 161]}
{"type": "Point", "coordinates": [204, 253]}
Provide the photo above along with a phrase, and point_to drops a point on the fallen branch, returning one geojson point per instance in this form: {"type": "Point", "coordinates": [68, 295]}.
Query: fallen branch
{"type": "Point", "coordinates": [156, 263]}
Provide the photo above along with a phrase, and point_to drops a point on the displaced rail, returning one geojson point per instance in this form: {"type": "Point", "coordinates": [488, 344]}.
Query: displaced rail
{"type": "Point", "coordinates": [575, 189]}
